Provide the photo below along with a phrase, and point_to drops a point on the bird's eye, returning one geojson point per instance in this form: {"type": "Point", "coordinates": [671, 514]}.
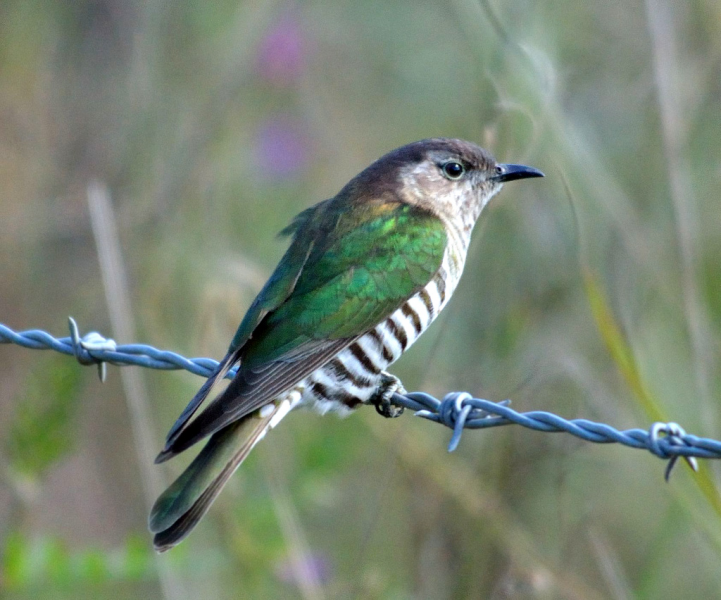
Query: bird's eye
{"type": "Point", "coordinates": [499, 170]}
{"type": "Point", "coordinates": [453, 170]}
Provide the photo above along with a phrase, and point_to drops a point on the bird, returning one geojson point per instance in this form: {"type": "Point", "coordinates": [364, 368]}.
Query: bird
{"type": "Point", "coordinates": [365, 273]}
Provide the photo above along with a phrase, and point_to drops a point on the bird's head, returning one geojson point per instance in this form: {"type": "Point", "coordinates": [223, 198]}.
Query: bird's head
{"type": "Point", "coordinates": [452, 178]}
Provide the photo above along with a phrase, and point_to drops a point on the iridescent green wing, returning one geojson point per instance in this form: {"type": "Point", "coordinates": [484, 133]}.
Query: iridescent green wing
{"type": "Point", "coordinates": [362, 262]}
{"type": "Point", "coordinates": [377, 257]}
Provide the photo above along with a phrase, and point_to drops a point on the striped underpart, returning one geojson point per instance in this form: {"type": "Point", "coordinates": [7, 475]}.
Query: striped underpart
{"type": "Point", "coordinates": [353, 375]}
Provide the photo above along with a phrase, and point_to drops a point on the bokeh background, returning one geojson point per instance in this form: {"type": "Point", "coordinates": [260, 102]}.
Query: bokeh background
{"type": "Point", "coordinates": [593, 293]}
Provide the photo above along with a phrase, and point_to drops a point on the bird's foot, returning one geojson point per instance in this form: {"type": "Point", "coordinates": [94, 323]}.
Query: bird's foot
{"type": "Point", "coordinates": [381, 399]}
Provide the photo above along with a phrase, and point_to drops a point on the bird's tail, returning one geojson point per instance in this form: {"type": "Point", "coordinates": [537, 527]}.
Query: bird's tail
{"type": "Point", "coordinates": [178, 510]}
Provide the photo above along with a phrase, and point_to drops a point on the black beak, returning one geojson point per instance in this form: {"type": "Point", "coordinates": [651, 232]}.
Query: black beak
{"type": "Point", "coordinates": [507, 172]}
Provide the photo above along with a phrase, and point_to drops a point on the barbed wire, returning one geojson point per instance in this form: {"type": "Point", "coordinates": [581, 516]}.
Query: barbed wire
{"type": "Point", "coordinates": [457, 410]}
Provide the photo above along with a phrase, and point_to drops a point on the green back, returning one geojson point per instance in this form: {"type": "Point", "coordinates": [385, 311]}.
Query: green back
{"type": "Point", "coordinates": [348, 268]}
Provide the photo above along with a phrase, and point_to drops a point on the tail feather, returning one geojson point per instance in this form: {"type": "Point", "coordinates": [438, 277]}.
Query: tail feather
{"type": "Point", "coordinates": [221, 371]}
{"type": "Point", "coordinates": [178, 510]}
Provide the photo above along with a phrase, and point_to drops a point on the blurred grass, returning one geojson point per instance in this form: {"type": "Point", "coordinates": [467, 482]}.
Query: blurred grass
{"type": "Point", "coordinates": [43, 428]}
{"type": "Point", "coordinates": [212, 125]}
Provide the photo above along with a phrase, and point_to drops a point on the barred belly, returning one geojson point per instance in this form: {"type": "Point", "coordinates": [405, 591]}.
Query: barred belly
{"type": "Point", "coordinates": [352, 377]}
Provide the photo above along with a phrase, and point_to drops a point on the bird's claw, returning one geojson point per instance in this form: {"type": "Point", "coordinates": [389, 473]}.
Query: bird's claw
{"type": "Point", "coordinates": [381, 399]}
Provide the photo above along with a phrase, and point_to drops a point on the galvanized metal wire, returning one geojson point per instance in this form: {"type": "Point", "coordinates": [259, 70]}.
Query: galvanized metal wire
{"type": "Point", "coordinates": [457, 410]}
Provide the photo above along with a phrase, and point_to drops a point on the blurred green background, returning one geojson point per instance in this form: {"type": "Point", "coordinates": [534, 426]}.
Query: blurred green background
{"type": "Point", "coordinates": [594, 293]}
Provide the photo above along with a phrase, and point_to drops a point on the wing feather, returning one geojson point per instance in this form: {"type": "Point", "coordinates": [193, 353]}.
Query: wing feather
{"type": "Point", "coordinates": [351, 267]}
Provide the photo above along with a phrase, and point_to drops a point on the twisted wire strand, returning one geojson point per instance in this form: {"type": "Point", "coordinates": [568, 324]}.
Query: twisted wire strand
{"type": "Point", "coordinates": [457, 410]}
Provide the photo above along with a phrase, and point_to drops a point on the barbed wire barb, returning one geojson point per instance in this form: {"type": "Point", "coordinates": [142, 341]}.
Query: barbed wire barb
{"type": "Point", "coordinates": [90, 342]}
{"type": "Point", "coordinates": [457, 410]}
